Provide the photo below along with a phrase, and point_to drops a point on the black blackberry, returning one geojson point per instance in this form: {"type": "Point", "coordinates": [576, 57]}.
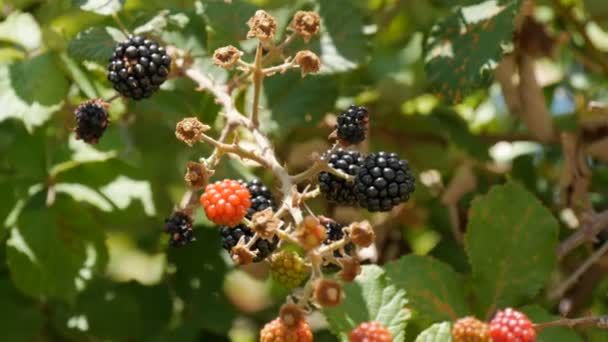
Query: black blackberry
{"type": "Point", "coordinates": [383, 181]}
{"type": "Point", "coordinates": [91, 120]}
{"type": "Point", "coordinates": [335, 188]}
{"type": "Point", "coordinates": [352, 125]}
{"type": "Point", "coordinates": [138, 66]}
{"type": "Point", "coordinates": [335, 233]}
{"type": "Point", "coordinates": [179, 228]}
{"type": "Point", "coordinates": [231, 236]}
{"type": "Point", "coordinates": [261, 198]}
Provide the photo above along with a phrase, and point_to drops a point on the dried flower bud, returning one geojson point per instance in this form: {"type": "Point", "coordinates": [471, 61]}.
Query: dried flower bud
{"type": "Point", "coordinates": [227, 56]}
{"type": "Point", "coordinates": [241, 255]}
{"type": "Point", "coordinates": [189, 129]}
{"type": "Point", "coordinates": [309, 62]}
{"type": "Point", "coordinates": [197, 175]}
{"type": "Point", "coordinates": [351, 267]}
{"type": "Point", "coordinates": [306, 24]}
{"type": "Point", "coordinates": [311, 233]}
{"type": "Point", "coordinates": [262, 26]}
{"type": "Point", "coordinates": [328, 293]}
{"type": "Point", "coordinates": [265, 223]}
{"type": "Point", "coordinates": [291, 314]}
{"type": "Point", "coordinates": [361, 233]}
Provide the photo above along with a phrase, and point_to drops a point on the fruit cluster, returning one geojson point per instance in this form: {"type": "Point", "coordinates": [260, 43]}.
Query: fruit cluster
{"type": "Point", "coordinates": [507, 326]}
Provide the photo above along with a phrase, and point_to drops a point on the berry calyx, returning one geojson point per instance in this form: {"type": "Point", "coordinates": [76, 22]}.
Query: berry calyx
{"type": "Point", "coordinates": [91, 120]}
{"type": "Point", "coordinates": [327, 293]}
{"type": "Point", "coordinates": [288, 269]}
{"type": "Point", "coordinates": [179, 228]}
{"type": "Point", "coordinates": [138, 67]}
{"type": "Point", "coordinates": [226, 202]}
{"type": "Point", "coordinates": [510, 325]}
{"type": "Point", "coordinates": [352, 124]}
{"type": "Point", "coordinates": [383, 181]}
{"type": "Point", "coordinates": [310, 233]}
{"type": "Point", "coordinates": [470, 329]}
{"type": "Point", "coordinates": [277, 331]}
{"type": "Point", "coordinates": [370, 332]}
{"type": "Point", "coordinates": [337, 189]}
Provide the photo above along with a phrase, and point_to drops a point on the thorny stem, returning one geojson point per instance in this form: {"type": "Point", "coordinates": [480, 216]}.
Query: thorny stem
{"type": "Point", "coordinates": [258, 76]}
{"type": "Point", "coordinates": [587, 232]}
{"type": "Point", "coordinates": [598, 321]}
{"type": "Point", "coordinates": [120, 24]}
{"type": "Point", "coordinates": [573, 278]}
{"type": "Point", "coordinates": [317, 167]}
{"type": "Point", "coordinates": [114, 97]}
{"type": "Point", "coordinates": [233, 148]}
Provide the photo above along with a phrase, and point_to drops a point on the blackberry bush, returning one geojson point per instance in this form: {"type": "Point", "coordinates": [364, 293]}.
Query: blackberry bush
{"type": "Point", "coordinates": [383, 181]}
{"type": "Point", "coordinates": [138, 66]}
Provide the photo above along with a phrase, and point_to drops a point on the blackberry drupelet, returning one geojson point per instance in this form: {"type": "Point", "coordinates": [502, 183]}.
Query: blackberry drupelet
{"type": "Point", "coordinates": [91, 120]}
{"type": "Point", "coordinates": [335, 188]}
{"type": "Point", "coordinates": [179, 228]}
{"type": "Point", "coordinates": [261, 198]}
{"type": "Point", "coordinates": [335, 233]}
{"type": "Point", "coordinates": [383, 181]}
{"type": "Point", "coordinates": [352, 125]}
{"type": "Point", "coordinates": [138, 67]}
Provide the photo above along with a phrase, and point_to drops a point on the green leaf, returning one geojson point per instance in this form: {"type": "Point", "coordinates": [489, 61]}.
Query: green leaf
{"type": "Point", "coordinates": [160, 21]}
{"type": "Point", "coordinates": [371, 297]}
{"type": "Point", "coordinates": [296, 101]}
{"type": "Point", "coordinates": [435, 291]}
{"type": "Point", "coordinates": [29, 97]}
{"type": "Point", "coordinates": [228, 21]}
{"type": "Point", "coordinates": [510, 239]}
{"type": "Point", "coordinates": [20, 318]}
{"type": "Point", "coordinates": [54, 252]}
{"type": "Point", "coordinates": [79, 76]}
{"type": "Point", "coordinates": [555, 334]}
{"type": "Point", "coordinates": [438, 332]}
{"type": "Point", "coordinates": [21, 28]}
{"type": "Point", "coordinates": [123, 190]}
{"type": "Point", "coordinates": [103, 7]}
{"type": "Point", "coordinates": [342, 39]}
{"type": "Point", "coordinates": [93, 44]}
{"type": "Point", "coordinates": [463, 48]}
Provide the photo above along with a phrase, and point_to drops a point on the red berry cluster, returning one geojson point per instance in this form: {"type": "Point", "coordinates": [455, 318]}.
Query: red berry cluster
{"type": "Point", "coordinates": [370, 332]}
{"type": "Point", "coordinates": [226, 202]}
{"type": "Point", "coordinates": [277, 331]}
{"type": "Point", "coordinates": [511, 326]}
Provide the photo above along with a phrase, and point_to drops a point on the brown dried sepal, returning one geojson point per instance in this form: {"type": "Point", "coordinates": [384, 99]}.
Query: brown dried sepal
{"type": "Point", "coordinates": [306, 24]}
{"type": "Point", "coordinates": [311, 233]}
{"type": "Point", "coordinates": [328, 293]}
{"type": "Point", "coordinates": [227, 56]}
{"type": "Point", "coordinates": [265, 223]}
{"type": "Point", "coordinates": [361, 233]}
{"type": "Point", "coordinates": [262, 26]}
{"type": "Point", "coordinates": [189, 129]}
{"type": "Point", "coordinates": [241, 255]}
{"type": "Point", "coordinates": [308, 61]}
{"type": "Point", "coordinates": [197, 175]}
{"type": "Point", "coordinates": [291, 314]}
{"type": "Point", "coordinates": [351, 267]}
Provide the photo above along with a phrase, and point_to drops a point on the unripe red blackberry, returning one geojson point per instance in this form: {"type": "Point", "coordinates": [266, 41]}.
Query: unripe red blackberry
{"type": "Point", "coordinates": [351, 125]}
{"type": "Point", "coordinates": [511, 326]}
{"type": "Point", "coordinates": [179, 228]}
{"type": "Point", "coordinates": [91, 120]}
{"type": "Point", "coordinates": [470, 329]}
{"type": "Point", "coordinates": [370, 332]}
{"type": "Point", "coordinates": [138, 67]}
{"type": "Point", "coordinates": [226, 202]}
{"type": "Point", "coordinates": [383, 181]}
{"type": "Point", "coordinates": [337, 189]}
{"type": "Point", "coordinates": [277, 331]}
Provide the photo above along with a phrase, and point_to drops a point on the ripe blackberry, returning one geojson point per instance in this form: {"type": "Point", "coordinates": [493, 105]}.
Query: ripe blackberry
{"type": "Point", "coordinates": [352, 125]}
{"type": "Point", "coordinates": [383, 181]}
{"type": "Point", "coordinates": [337, 189]}
{"type": "Point", "coordinates": [277, 331]}
{"type": "Point", "coordinates": [179, 228]}
{"type": "Point", "coordinates": [261, 198]}
{"type": "Point", "coordinates": [91, 120]}
{"type": "Point", "coordinates": [370, 332]}
{"type": "Point", "coordinates": [138, 67]}
{"type": "Point", "coordinates": [470, 329]}
{"type": "Point", "coordinates": [511, 326]}
{"type": "Point", "coordinates": [226, 202]}
{"type": "Point", "coordinates": [231, 236]}
{"type": "Point", "coordinates": [335, 233]}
